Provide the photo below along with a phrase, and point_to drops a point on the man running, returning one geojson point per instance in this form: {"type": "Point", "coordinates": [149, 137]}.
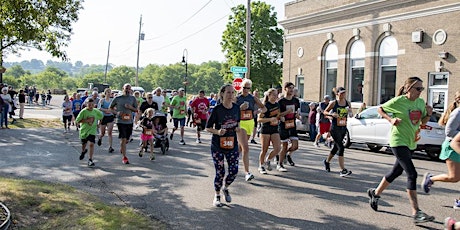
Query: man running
{"type": "Point", "coordinates": [179, 106]}
{"type": "Point", "coordinates": [124, 105]}
{"type": "Point", "coordinates": [200, 107]}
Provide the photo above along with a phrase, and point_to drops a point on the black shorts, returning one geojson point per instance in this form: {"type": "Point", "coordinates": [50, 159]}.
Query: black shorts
{"type": "Point", "coordinates": [269, 130]}
{"type": "Point", "coordinates": [125, 131]}
{"type": "Point", "coordinates": [91, 138]}
{"type": "Point", "coordinates": [286, 134]}
{"type": "Point", "coordinates": [67, 119]}
{"type": "Point", "coordinates": [107, 119]}
{"type": "Point", "coordinates": [201, 126]}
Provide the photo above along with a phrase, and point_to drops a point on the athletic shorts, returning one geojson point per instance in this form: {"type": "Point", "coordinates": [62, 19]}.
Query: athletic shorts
{"type": "Point", "coordinates": [91, 138]}
{"type": "Point", "coordinates": [107, 119]}
{"type": "Point", "coordinates": [179, 121]}
{"type": "Point", "coordinates": [247, 125]}
{"type": "Point", "coordinates": [288, 134]}
{"type": "Point", "coordinates": [125, 131]}
{"type": "Point", "coordinates": [66, 119]}
{"type": "Point", "coordinates": [145, 137]}
{"type": "Point", "coordinates": [324, 127]}
{"type": "Point", "coordinates": [269, 130]}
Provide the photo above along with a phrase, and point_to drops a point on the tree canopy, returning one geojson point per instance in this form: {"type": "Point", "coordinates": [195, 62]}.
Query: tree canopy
{"type": "Point", "coordinates": [266, 44]}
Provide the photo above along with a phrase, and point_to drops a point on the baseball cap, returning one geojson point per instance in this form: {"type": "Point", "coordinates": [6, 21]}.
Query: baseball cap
{"type": "Point", "coordinates": [341, 90]}
{"type": "Point", "coordinates": [181, 89]}
{"type": "Point", "coordinates": [327, 97]}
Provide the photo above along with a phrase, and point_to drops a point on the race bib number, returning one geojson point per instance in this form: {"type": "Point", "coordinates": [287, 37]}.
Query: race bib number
{"type": "Point", "coordinates": [289, 124]}
{"type": "Point", "coordinates": [148, 132]}
{"type": "Point", "coordinates": [274, 123]}
{"type": "Point", "coordinates": [227, 142]}
{"type": "Point", "coordinates": [341, 121]}
{"type": "Point", "coordinates": [126, 116]}
{"type": "Point", "coordinates": [246, 115]}
{"type": "Point", "coordinates": [181, 112]}
{"type": "Point", "coordinates": [197, 121]}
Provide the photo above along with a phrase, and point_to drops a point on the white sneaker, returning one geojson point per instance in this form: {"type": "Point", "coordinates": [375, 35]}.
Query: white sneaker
{"type": "Point", "coordinates": [216, 201]}
{"type": "Point", "coordinates": [281, 168]}
{"type": "Point", "coordinates": [198, 140]}
{"type": "Point", "coordinates": [249, 177]}
{"type": "Point", "coordinates": [262, 170]}
{"type": "Point", "coordinates": [316, 144]}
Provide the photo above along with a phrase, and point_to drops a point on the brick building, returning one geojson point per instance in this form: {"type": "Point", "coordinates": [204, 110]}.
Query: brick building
{"type": "Point", "coordinates": [371, 47]}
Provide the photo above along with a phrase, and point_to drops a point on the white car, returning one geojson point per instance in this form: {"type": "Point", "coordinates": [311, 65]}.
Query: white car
{"type": "Point", "coordinates": [368, 127]}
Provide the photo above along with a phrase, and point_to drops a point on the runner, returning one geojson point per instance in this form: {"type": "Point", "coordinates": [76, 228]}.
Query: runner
{"type": "Point", "coordinates": [324, 121]}
{"type": "Point", "coordinates": [247, 102]}
{"type": "Point", "coordinates": [166, 103]}
{"type": "Point", "coordinates": [224, 124]}
{"type": "Point", "coordinates": [157, 98]}
{"type": "Point", "coordinates": [66, 113]}
{"type": "Point", "coordinates": [289, 106]}
{"type": "Point", "coordinates": [88, 117]}
{"type": "Point", "coordinates": [147, 121]}
{"type": "Point", "coordinates": [409, 112]}
{"type": "Point", "coordinates": [339, 110]}
{"type": "Point", "coordinates": [200, 107]}
{"type": "Point", "coordinates": [178, 104]}
{"type": "Point", "coordinates": [107, 121]}
{"type": "Point", "coordinates": [270, 133]}
{"type": "Point", "coordinates": [124, 106]}
{"type": "Point", "coordinates": [77, 104]}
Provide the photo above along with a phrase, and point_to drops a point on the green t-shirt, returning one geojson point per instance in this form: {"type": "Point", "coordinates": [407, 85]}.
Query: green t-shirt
{"type": "Point", "coordinates": [164, 109]}
{"type": "Point", "coordinates": [411, 114]}
{"type": "Point", "coordinates": [85, 128]}
{"type": "Point", "coordinates": [181, 112]}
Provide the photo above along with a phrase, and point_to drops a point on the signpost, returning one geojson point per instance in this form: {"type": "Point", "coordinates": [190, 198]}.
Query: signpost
{"type": "Point", "coordinates": [238, 69]}
{"type": "Point", "coordinates": [237, 83]}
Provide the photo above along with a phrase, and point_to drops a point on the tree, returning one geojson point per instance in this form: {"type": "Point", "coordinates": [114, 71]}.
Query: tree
{"type": "Point", "coordinates": [44, 25]}
{"type": "Point", "coordinates": [266, 44]}
{"type": "Point", "coordinates": [120, 76]}
{"type": "Point", "coordinates": [16, 71]}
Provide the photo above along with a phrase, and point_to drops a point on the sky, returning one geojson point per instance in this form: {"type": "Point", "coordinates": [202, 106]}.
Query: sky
{"type": "Point", "coordinates": [170, 27]}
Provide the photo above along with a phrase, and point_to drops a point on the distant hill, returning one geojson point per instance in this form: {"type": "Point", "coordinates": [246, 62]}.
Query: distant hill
{"type": "Point", "coordinates": [36, 66]}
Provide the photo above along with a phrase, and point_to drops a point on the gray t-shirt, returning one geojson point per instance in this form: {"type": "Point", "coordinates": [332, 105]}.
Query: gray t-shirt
{"type": "Point", "coordinates": [453, 124]}
{"type": "Point", "coordinates": [124, 115]}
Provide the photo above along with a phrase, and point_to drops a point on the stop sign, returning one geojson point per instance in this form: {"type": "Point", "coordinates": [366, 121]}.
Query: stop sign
{"type": "Point", "coordinates": [237, 83]}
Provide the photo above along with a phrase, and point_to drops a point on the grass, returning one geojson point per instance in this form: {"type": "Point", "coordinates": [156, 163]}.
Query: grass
{"type": "Point", "coordinates": [40, 205]}
{"type": "Point", "coordinates": [35, 123]}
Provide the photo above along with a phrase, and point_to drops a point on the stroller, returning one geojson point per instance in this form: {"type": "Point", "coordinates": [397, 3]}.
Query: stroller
{"type": "Point", "coordinates": [161, 139]}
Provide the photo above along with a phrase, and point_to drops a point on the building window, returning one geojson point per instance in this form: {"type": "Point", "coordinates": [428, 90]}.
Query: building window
{"type": "Point", "coordinates": [330, 78]}
{"type": "Point", "coordinates": [356, 77]}
{"type": "Point", "coordinates": [300, 85]}
{"type": "Point", "coordinates": [387, 65]}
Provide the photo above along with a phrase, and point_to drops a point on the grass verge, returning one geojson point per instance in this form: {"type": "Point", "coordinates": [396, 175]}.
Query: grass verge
{"type": "Point", "coordinates": [40, 205]}
{"type": "Point", "coordinates": [35, 123]}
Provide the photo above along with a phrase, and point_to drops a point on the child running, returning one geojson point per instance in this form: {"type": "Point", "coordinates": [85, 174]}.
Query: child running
{"type": "Point", "coordinates": [88, 118]}
{"type": "Point", "coordinates": [147, 132]}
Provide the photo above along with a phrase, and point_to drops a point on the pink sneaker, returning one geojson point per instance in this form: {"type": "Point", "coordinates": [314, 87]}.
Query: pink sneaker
{"type": "Point", "coordinates": [125, 160]}
{"type": "Point", "coordinates": [449, 223]}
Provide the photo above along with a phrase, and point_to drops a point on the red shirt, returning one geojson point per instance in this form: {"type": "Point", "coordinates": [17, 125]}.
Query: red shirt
{"type": "Point", "coordinates": [201, 106]}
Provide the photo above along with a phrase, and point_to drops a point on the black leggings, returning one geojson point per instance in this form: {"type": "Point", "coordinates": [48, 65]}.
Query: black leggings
{"type": "Point", "coordinates": [403, 163]}
{"type": "Point", "coordinates": [338, 134]}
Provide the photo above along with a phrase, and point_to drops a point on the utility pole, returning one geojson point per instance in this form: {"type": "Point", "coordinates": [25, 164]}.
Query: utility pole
{"type": "Point", "coordinates": [248, 40]}
{"type": "Point", "coordinates": [139, 38]}
{"type": "Point", "coordinates": [107, 64]}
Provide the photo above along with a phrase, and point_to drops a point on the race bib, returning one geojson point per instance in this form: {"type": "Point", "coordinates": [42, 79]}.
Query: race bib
{"type": "Point", "coordinates": [197, 121]}
{"type": "Point", "coordinates": [126, 116]}
{"type": "Point", "coordinates": [148, 132]}
{"type": "Point", "coordinates": [289, 124]}
{"type": "Point", "coordinates": [246, 115]}
{"type": "Point", "coordinates": [274, 123]}
{"type": "Point", "coordinates": [227, 142]}
{"type": "Point", "coordinates": [181, 112]}
{"type": "Point", "coordinates": [341, 121]}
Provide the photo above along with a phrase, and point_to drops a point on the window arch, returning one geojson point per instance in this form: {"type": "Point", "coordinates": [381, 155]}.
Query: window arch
{"type": "Point", "coordinates": [330, 77]}
{"type": "Point", "coordinates": [388, 60]}
{"type": "Point", "coordinates": [356, 76]}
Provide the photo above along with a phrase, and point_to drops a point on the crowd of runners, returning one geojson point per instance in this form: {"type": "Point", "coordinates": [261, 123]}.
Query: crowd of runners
{"type": "Point", "coordinates": [233, 117]}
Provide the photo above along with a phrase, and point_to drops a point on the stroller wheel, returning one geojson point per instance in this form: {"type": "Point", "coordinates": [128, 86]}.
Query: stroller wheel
{"type": "Point", "coordinates": [167, 145]}
{"type": "Point", "coordinates": [163, 148]}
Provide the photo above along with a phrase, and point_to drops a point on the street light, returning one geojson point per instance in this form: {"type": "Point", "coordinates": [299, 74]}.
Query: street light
{"type": "Point", "coordinates": [184, 62]}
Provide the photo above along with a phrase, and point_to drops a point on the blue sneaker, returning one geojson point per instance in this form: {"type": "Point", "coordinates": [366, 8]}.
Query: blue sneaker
{"type": "Point", "coordinates": [426, 182]}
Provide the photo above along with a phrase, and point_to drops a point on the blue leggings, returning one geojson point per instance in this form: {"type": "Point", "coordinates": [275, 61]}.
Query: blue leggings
{"type": "Point", "coordinates": [232, 161]}
{"type": "Point", "coordinates": [403, 163]}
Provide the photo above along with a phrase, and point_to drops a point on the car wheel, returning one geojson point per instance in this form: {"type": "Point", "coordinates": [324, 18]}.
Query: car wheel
{"type": "Point", "coordinates": [374, 147]}
{"type": "Point", "coordinates": [346, 140]}
{"type": "Point", "coordinates": [433, 153]}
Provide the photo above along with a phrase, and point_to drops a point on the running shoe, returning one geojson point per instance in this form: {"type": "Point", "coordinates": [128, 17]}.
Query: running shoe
{"type": "Point", "coordinates": [289, 159]}
{"type": "Point", "coordinates": [82, 155]}
{"type": "Point", "coordinates": [125, 160]}
{"type": "Point", "coordinates": [249, 177]}
{"type": "Point", "coordinates": [316, 144]}
{"type": "Point", "coordinates": [228, 198]}
{"type": "Point", "coordinates": [345, 172]}
{"type": "Point", "coordinates": [421, 217]}
{"type": "Point", "coordinates": [281, 168]}
{"type": "Point", "coordinates": [182, 142]}
{"type": "Point", "coordinates": [253, 141]}
{"type": "Point", "coordinates": [198, 140]}
{"type": "Point", "coordinates": [262, 170]}
{"type": "Point", "coordinates": [216, 201]}
{"type": "Point", "coordinates": [152, 157]}
{"type": "Point", "coordinates": [457, 204]}
{"type": "Point", "coordinates": [99, 142]}
{"type": "Point", "coordinates": [427, 182]}
{"type": "Point", "coordinates": [90, 163]}
{"type": "Point", "coordinates": [131, 140]}
{"type": "Point", "coordinates": [373, 199]}
{"type": "Point", "coordinates": [268, 165]}
{"type": "Point", "coordinates": [449, 223]}
{"type": "Point", "coordinates": [141, 152]}
{"type": "Point", "coordinates": [327, 165]}
{"type": "Point", "coordinates": [111, 150]}
{"type": "Point", "coordinates": [277, 159]}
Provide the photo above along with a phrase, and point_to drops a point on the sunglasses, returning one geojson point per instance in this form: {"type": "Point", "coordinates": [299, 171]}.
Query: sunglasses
{"type": "Point", "coordinates": [420, 89]}
{"type": "Point", "coordinates": [246, 87]}
{"type": "Point", "coordinates": [150, 97]}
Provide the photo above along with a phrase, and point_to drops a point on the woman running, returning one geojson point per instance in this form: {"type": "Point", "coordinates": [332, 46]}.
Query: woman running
{"type": "Point", "coordinates": [107, 121]}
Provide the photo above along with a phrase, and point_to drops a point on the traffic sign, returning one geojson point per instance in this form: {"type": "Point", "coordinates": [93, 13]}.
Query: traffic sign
{"type": "Point", "coordinates": [237, 83]}
{"type": "Point", "coordinates": [238, 69]}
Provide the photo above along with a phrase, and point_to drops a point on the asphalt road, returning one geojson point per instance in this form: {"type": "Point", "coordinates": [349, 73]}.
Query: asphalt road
{"type": "Point", "coordinates": [177, 188]}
